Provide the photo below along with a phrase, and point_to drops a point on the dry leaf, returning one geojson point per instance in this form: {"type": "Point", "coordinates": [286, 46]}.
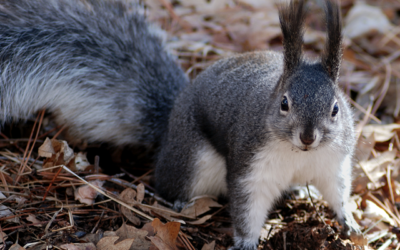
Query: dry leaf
{"type": "Point", "coordinates": [200, 221]}
{"type": "Point", "coordinates": [81, 161]}
{"type": "Point", "coordinates": [364, 147]}
{"type": "Point", "coordinates": [130, 216]}
{"type": "Point", "coordinates": [160, 244]}
{"type": "Point", "coordinates": [93, 238]}
{"type": "Point", "coordinates": [16, 247]}
{"type": "Point", "coordinates": [359, 240]}
{"type": "Point", "coordinates": [376, 167]}
{"type": "Point", "coordinates": [57, 153]}
{"type": "Point", "coordinates": [107, 243]}
{"type": "Point", "coordinates": [86, 194]}
{"type": "Point", "coordinates": [363, 19]}
{"type": "Point", "coordinates": [165, 212]}
{"type": "Point", "coordinates": [128, 196]}
{"type": "Point", "coordinates": [165, 234]}
{"type": "Point", "coordinates": [79, 246]}
{"type": "Point", "coordinates": [4, 236]}
{"type": "Point", "coordinates": [140, 193]}
{"type": "Point", "coordinates": [210, 246]}
{"type": "Point", "coordinates": [46, 149]}
{"type": "Point", "coordinates": [375, 213]}
{"type": "Point", "coordinates": [149, 229]}
{"type": "Point", "coordinates": [139, 236]}
{"type": "Point", "coordinates": [32, 218]}
{"type": "Point", "coordinates": [6, 212]}
{"type": "Point", "coordinates": [381, 132]}
{"type": "Point", "coordinates": [199, 205]}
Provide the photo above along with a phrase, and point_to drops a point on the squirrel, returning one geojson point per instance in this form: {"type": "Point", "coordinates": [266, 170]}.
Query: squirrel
{"type": "Point", "coordinates": [252, 125]}
{"type": "Point", "coordinates": [248, 127]}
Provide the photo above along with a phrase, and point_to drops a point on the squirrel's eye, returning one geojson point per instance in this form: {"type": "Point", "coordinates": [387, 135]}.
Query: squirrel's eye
{"type": "Point", "coordinates": [335, 110]}
{"type": "Point", "coordinates": [284, 104]}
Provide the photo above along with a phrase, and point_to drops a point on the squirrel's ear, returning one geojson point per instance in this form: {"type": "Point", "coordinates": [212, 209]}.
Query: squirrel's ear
{"type": "Point", "coordinates": [291, 18]}
{"type": "Point", "coordinates": [333, 49]}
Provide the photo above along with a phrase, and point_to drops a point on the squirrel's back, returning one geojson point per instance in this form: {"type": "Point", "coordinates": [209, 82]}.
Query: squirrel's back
{"type": "Point", "coordinates": [98, 66]}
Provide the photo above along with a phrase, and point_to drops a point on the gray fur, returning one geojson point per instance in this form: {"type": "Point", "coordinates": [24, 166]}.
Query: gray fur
{"type": "Point", "coordinates": [98, 66]}
{"type": "Point", "coordinates": [235, 106]}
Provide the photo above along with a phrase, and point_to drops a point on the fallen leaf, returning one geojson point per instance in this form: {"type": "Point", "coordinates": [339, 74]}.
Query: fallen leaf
{"type": "Point", "coordinates": [32, 218]}
{"type": "Point", "coordinates": [165, 212]}
{"type": "Point", "coordinates": [364, 147]}
{"type": "Point", "coordinates": [165, 234]}
{"type": "Point", "coordinates": [46, 149]}
{"type": "Point", "coordinates": [107, 243]}
{"type": "Point", "coordinates": [376, 167]}
{"type": "Point", "coordinates": [199, 205]}
{"type": "Point", "coordinates": [375, 213]}
{"type": "Point", "coordinates": [210, 246]}
{"type": "Point", "coordinates": [200, 221]}
{"type": "Point", "coordinates": [93, 238]}
{"type": "Point", "coordinates": [57, 152]}
{"type": "Point", "coordinates": [6, 212]}
{"type": "Point", "coordinates": [381, 132]}
{"type": "Point", "coordinates": [79, 246]}
{"type": "Point", "coordinates": [86, 194]}
{"type": "Point", "coordinates": [81, 161]}
{"type": "Point", "coordinates": [363, 19]}
{"type": "Point", "coordinates": [140, 193]}
{"type": "Point", "coordinates": [160, 244]}
{"type": "Point", "coordinates": [149, 229]}
{"type": "Point", "coordinates": [16, 247]}
{"type": "Point", "coordinates": [128, 196]}
{"type": "Point", "coordinates": [4, 236]}
{"type": "Point", "coordinates": [139, 236]}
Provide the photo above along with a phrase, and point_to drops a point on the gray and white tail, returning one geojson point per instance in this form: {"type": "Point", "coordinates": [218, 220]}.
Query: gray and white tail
{"type": "Point", "coordinates": [98, 66]}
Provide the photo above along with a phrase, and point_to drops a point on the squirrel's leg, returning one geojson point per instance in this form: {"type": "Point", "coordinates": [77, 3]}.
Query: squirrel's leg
{"type": "Point", "coordinates": [336, 189]}
{"type": "Point", "coordinates": [250, 201]}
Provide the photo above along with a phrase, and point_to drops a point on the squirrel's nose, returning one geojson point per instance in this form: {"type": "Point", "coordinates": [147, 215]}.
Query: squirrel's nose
{"type": "Point", "coordinates": [307, 139]}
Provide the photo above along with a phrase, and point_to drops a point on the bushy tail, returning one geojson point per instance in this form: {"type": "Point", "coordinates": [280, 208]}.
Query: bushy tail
{"type": "Point", "coordinates": [98, 66]}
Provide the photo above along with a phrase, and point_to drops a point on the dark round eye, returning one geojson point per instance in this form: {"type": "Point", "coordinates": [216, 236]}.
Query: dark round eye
{"type": "Point", "coordinates": [284, 104]}
{"type": "Point", "coordinates": [335, 110]}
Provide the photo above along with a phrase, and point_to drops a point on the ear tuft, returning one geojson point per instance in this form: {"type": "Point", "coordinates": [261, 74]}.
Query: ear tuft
{"type": "Point", "coordinates": [333, 48]}
{"type": "Point", "coordinates": [291, 18]}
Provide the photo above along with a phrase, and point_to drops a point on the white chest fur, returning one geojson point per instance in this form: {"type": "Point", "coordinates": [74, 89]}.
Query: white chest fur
{"type": "Point", "coordinates": [283, 164]}
{"type": "Point", "coordinates": [276, 167]}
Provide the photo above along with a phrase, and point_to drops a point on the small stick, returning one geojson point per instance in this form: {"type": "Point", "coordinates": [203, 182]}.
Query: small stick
{"type": "Point", "coordinates": [312, 201]}
{"type": "Point", "coordinates": [97, 223]}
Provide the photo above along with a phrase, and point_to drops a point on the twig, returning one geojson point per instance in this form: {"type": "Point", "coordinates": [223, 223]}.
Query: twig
{"type": "Point", "coordinates": [109, 196]}
{"type": "Point", "coordinates": [24, 162]}
{"type": "Point", "coordinates": [315, 207]}
{"type": "Point", "coordinates": [97, 223]}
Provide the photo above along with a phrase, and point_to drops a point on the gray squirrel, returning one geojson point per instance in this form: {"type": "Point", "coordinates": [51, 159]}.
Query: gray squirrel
{"type": "Point", "coordinates": [251, 125]}
{"type": "Point", "coordinates": [247, 128]}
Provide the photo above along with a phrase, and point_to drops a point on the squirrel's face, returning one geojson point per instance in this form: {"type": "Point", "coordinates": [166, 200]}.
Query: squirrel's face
{"type": "Point", "coordinates": [309, 108]}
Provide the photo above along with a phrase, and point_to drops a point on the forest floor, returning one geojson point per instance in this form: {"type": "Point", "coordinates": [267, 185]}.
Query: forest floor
{"type": "Point", "coordinates": [55, 195]}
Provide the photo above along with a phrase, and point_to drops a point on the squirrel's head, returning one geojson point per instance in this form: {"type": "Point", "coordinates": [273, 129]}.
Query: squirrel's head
{"type": "Point", "coordinates": [310, 107]}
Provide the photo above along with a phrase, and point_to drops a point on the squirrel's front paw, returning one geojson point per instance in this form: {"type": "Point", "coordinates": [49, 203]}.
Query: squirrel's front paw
{"type": "Point", "coordinates": [349, 225]}
{"type": "Point", "coordinates": [243, 245]}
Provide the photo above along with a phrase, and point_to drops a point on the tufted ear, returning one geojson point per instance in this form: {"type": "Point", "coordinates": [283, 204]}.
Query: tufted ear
{"type": "Point", "coordinates": [291, 18]}
{"type": "Point", "coordinates": [333, 48]}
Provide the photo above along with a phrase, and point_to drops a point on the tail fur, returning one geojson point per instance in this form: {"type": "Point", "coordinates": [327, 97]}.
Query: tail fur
{"type": "Point", "coordinates": [98, 66]}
